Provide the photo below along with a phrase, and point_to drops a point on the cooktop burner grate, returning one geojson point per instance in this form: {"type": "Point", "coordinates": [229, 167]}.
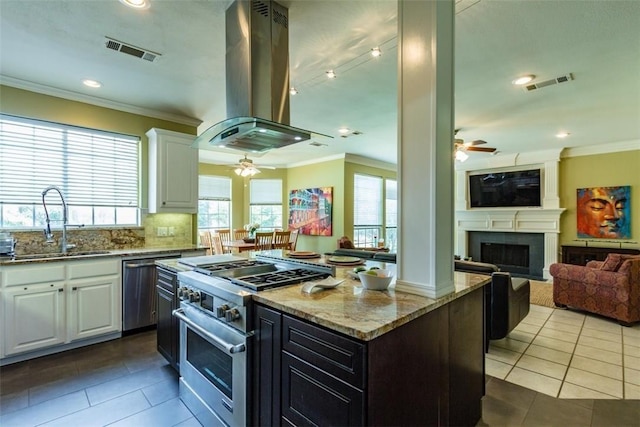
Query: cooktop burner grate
{"type": "Point", "coordinates": [209, 269]}
{"type": "Point", "coordinates": [263, 281]}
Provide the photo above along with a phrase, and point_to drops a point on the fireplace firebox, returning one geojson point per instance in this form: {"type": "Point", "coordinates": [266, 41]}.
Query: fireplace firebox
{"type": "Point", "coordinates": [521, 254]}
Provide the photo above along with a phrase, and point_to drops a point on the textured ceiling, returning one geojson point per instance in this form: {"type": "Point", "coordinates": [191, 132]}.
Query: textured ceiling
{"type": "Point", "coordinates": [50, 46]}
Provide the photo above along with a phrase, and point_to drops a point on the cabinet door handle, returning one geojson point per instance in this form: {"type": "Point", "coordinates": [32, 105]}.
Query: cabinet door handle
{"type": "Point", "coordinates": [60, 290]}
{"type": "Point", "coordinates": [75, 288]}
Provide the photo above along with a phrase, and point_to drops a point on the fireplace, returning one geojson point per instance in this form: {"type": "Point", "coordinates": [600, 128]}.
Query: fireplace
{"type": "Point", "coordinates": [521, 254]}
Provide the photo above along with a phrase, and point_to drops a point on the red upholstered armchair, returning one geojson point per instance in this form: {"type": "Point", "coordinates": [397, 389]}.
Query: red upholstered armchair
{"type": "Point", "coordinates": [610, 288]}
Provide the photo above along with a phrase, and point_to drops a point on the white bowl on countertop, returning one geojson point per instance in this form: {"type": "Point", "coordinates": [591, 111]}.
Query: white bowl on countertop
{"type": "Point", "coordinates": [379, 282]}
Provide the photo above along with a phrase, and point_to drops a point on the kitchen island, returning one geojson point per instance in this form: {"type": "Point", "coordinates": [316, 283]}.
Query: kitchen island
{"type": "Point", "coordinates": [350, 356]}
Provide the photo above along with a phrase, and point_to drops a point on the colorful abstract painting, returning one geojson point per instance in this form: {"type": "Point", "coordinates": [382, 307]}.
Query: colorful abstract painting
{"type": "Point", "coordinates": [604, 212]}
{"type": "Point", "coordinates": [310, 211]}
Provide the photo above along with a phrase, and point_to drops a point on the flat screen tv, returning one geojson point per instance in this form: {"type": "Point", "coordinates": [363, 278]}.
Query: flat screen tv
{"type": "Point", "coordinates": [505, 189]}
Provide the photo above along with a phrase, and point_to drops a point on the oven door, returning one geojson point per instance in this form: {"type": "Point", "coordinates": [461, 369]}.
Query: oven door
{"type": "Point", "coordinates": [213, 366]}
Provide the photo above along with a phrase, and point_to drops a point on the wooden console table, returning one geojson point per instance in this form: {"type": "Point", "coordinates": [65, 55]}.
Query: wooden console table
{"type": "Point", "coordinates": [580, 255]}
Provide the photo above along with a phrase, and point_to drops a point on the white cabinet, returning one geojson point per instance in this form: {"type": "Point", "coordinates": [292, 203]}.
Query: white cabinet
{"type": "Point", "coordinates": [34, 317]}
{"type": "Point", "coordinates": [57, 303]}
{"type": "Point", "coordinates": [173, 172]}
{"type": "Point", "coordinates": [93, 298]}
{"type": "Point", "coordinates": [92, 307]}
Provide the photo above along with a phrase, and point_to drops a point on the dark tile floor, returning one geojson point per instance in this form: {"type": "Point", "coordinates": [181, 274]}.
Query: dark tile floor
{"type": "Point", "coordinates": [125, 382]}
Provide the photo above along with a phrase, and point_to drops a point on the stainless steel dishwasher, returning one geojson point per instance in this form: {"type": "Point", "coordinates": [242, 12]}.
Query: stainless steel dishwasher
{"type": "Point", "coordinates": [139, 292]}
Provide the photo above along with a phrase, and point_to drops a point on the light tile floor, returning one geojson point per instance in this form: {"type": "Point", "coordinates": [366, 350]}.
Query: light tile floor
{"type": "Point", "coordinates": [569, 354]}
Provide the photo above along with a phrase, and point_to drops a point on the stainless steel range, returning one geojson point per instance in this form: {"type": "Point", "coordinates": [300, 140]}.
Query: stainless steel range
{"type": "Point", "coordinates": [216, 330]}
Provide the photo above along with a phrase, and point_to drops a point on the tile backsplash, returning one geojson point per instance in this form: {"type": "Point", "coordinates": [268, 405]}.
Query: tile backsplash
{"type": "Point", "coordinates": [159, 230]}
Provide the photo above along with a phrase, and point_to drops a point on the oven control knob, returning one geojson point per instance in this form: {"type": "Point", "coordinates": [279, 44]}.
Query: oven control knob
{"type": "Point", "coordinates": [182, 292]}
{"type": "Point", "coordinates": [231, 315]}
{"type": "Point", "coordinates": [221, 310]}
{"type": "Point", "coordinates": [194, 296]}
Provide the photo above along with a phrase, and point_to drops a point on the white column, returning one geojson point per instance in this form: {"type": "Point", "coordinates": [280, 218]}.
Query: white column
{"type": "Point", "coordinates": [425, 153]}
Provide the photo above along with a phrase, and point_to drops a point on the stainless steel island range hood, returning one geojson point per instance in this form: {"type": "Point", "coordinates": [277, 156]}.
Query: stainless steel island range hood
{"type": "Point", "coordinates": [257, 81]}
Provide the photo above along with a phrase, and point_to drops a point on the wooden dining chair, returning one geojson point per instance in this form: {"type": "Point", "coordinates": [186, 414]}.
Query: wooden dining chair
{"type": "Point", "coordinates": [205, 240]}
{"type": "Point", "coordinates": [264, 241]}
{"type": "Point", "coordinates": [225, 236]}
{"type": "Point", "coordinates": [293, 239]}
{"type": "Point", "coordinates": [240, 233]}
{"type": "Point", "coordinates": [281, 239]}
{"type": "Point", "coordinates": [216, 244]}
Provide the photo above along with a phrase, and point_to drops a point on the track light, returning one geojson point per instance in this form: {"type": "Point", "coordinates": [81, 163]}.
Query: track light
{"type": "Point", "coordinates": [376, 52]}
{"type": "Point", "coordinates": [293, 91]}
{"type": "Point", "coordinates": [331, 74]}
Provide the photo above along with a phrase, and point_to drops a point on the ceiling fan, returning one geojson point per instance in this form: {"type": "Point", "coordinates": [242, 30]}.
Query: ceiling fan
{"type": "Point", "coordinates": [246, 167]}
{"type": "Point", "coordinates": [461, 146]}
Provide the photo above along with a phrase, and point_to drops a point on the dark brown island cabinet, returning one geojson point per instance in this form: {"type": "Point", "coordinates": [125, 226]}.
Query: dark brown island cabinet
{"type": "Point", "coordinates": [427, 372]}
{"type": "Point", "coordinates": [168, 326]}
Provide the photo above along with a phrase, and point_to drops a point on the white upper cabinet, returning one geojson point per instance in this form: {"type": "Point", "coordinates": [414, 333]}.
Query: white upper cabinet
{"type": "Point", "coordinates": [173, 172]}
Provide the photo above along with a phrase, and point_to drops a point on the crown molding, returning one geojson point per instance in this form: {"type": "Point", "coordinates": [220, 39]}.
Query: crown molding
{"type": "Point", "coordinates": [605, 148]}
{"type": "Point", "coordinates": [366, 161]}
{"type": "Point", "coordinates": [100, 102]}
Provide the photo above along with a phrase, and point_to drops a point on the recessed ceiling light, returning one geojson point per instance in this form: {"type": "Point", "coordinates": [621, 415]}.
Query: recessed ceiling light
{"type": "Point", "coordinates": [343, 130]}
{"type": "Point", "coordinates": [523, 80]}
{"type": "Point", "coordinates": [91, 83]}
{"type": "Point", "coordinates": [376, 52]}
{"type": "Point", "coordinates": [293, 91]}
{"type": "Point", "coordinates": [562, 134]}
{"type": "Point", "coordinates": [136, 4]}
{"type": "Point", "coordinates": [331, 74]}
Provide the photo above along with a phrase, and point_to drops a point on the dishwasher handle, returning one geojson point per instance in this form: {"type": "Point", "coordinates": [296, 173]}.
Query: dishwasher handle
{"type": "Point", "coordinates": [139, 265]}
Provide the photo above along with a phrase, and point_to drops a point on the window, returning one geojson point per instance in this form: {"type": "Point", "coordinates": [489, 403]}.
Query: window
{"type": "Point", "coordinates": [266, 203]}
{"type": "Point", "coordinates": [367, 215]}
{"type": "Point", "coordinates": [214, 204]}
{"type": "Point", "coordinates": [391, 215]}
{"type": "Point", "coordinates": [96, 171]}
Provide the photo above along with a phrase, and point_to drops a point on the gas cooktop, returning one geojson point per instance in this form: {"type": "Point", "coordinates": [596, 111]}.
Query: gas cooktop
{"type": "Point", "coordinates": [260, 282]}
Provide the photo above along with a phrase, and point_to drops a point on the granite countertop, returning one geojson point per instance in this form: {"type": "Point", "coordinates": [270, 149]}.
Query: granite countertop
{"type": "Point", "coordinates": [173, 265]}
{"type": "Point", "coordinates": [91, 254]}
{"type": "Point", "coordinates": [360, 313]}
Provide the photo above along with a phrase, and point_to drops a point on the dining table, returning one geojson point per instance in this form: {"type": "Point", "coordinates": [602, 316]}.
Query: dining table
{"type": "Point", "coordinates": [239, 245]}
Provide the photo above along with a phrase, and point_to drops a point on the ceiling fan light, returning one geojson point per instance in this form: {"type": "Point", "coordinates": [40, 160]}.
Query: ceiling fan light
{"type": "Point", "coordinates": [238, 171]}
{"type": "Point", "coordinates": [523, 80]}
{"type": "Point", "coordinates": [461, 156]}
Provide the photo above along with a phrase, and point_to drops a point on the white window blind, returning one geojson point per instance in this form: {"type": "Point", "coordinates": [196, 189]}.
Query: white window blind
{"type": "Point", "coordinates": [367, 200]}
{"type": "Point", "coordinates": [92, 168]}
{"type": "Point", "coordinates": [266, 192]}
{"type": "Point", "coordinates": [214, 188]}
{"type": "Point", "coordinates": [391, 203]}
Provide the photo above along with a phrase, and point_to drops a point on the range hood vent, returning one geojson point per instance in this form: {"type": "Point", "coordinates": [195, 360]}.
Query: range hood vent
{"type": "Point", "coordinates": [257, 82]}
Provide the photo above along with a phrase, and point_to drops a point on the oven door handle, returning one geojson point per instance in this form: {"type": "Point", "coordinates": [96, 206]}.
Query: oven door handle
{"type": "Point", "coordinates": [229, 348]}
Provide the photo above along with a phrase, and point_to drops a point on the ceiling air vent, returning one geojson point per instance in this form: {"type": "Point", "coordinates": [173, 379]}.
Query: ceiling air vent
{"type": "Point", "coordinates": [540, 85]}
{"type": "Point", "coordinates": [131, 50]}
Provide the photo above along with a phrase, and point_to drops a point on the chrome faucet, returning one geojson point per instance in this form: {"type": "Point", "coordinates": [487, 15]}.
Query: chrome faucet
{"type": "Point", "coordinates": [64, 246]}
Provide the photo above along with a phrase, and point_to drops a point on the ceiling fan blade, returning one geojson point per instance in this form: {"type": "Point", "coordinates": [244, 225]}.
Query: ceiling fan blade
{"type": "Point", "coordinates": [483, 149]}
{"type": "Point", "coordinates": [476, 142]}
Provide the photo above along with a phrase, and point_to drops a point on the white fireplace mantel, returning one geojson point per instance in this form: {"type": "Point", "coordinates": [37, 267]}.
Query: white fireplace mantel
{"type": "Point", "coordinates": [545, 219]}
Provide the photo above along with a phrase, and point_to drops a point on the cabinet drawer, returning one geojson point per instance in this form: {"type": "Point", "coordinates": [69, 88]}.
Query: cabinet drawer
{"type": "Point", "coordinates": [29, 275]}
{"type": "Point", "coordinates": [312, 397]}
{"type": "Point", "coordinates": [82, 269]}
{"type": "Point", "coordinates": [166, 279]}
{"type": "Point", "coordinates": [335, 354]}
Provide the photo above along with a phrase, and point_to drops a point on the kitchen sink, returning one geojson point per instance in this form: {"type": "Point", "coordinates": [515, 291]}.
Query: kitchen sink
{"type": "Point", "coordinates": [59, 255]}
